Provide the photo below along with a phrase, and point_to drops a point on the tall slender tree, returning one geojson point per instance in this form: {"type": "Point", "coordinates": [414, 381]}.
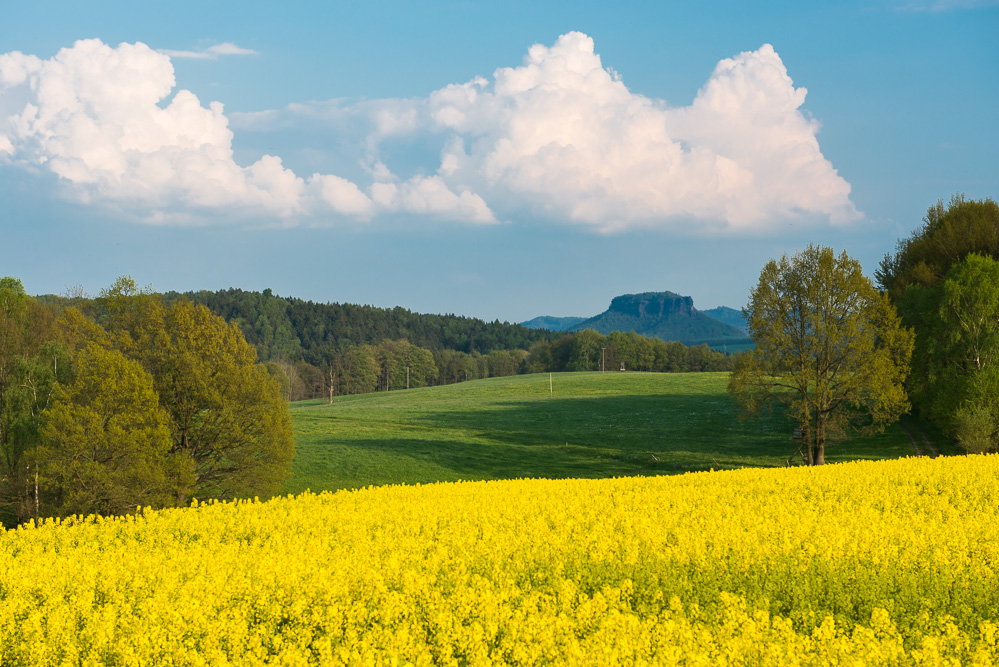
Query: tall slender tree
{"type": "Point", "coordinates": [31, 363]}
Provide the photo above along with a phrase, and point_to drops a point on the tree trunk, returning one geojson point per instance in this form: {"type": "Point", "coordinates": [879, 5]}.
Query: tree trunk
{"type": "Point", "coordinates": [808, 435]}
{"type": "Point", "coordinates": [820, 439]}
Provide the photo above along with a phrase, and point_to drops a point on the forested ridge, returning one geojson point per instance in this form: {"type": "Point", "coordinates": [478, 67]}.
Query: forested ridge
{"type": "Point", "coordinates": [295, 329]}
{"type": "Point", "coordinates": [331, 349]}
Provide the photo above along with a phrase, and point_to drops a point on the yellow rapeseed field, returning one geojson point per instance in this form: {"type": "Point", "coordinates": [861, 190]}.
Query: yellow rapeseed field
{"type": "Point", "coordinates": [890, 563]}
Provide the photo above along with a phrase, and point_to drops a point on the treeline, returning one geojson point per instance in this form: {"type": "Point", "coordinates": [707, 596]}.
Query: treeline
{"type": "Point", "coordinates": [399, 364]}
{"type": "Point", "coordinates": [325, 350]}
{"type": "Point", "coordinates": [295, 330]}
{"type": "Point", "coordinates": [944, 281]}
{"type": "Point", "coordinates": [125, 401]}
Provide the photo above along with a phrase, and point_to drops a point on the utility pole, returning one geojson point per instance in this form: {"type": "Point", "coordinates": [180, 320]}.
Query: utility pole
{"type": "Point", "coordinates": [602, 367]}
{"type": "Point", "coordinates": [407, 377]}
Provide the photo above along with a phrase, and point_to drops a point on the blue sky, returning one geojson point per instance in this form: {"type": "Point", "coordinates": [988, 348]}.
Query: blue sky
{"type": "Point", "coordinates": [501, 160]}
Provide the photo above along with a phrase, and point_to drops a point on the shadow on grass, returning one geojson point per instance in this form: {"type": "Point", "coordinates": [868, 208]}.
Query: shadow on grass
{"type": "Point", "coordinates": [558, 438]}
{"type": "Point", "coordinates": [644, 424]}
{"type": "Point", "coordinates": [552, 437]}
{"type": "Point", "coordinates": [418, 460]}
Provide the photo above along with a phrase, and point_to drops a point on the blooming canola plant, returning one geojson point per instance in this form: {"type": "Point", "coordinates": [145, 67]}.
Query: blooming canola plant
{"type": "Point", "coordinates": [860, 563]}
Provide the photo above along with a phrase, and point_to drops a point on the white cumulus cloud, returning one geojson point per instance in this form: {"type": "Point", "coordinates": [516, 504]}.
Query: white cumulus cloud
{"type": "Point", "coordinates": [559, 138]}
{"type": "Point", "coordinates": [101, 118]}
{"type": "Point", "coordinates": [563, 136]}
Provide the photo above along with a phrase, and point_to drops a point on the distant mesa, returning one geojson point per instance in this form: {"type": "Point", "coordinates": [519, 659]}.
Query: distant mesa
{"type": "Point", "coordinates": [664, 315]}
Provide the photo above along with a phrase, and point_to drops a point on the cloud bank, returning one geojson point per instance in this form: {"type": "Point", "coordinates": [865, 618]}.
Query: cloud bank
{"type": "Point", "coordinates": [558, 138]}
{"type": "Point", "coordinates": [98, 118]}
{"type": "Point", "coordinates": [565, 135]}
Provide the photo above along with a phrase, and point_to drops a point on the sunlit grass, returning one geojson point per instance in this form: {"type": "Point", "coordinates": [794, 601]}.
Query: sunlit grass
{"type": "Point", "coordinates": [583, 425]}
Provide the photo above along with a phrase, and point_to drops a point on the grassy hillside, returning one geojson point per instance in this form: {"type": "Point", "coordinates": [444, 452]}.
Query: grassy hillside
{"type": "Point", "coordinates": [593, 425]}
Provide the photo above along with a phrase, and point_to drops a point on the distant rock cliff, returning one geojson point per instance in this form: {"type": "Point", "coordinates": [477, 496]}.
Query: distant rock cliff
{"type": "Point", "coordinates": [664, 315]}
{"type": "Point", "coordinates": [652, 305]}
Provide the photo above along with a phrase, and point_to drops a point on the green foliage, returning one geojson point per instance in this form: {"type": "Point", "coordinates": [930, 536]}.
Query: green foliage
{"type": "Point", "coordinates": [106, 439]}
{"type": "Point", "coordinates": [30, 366]}
{"type": "Point", "coordinates": [947, 235]}
{"type": "Point", "coordinates": [327, 350]}
{"type": "Point", "coordinates": [585, 355]}
{"type": "Point", "coordinates": [402, 365]}
{"type": "Point", "coordinates": [956, 377]}
{"type": "Point", "coordinates": [589, 350]}
{"type": "Point", "coordinates": [504, 363]}
{"type": "Point", "coordinates": [279, 373]}
{"type": "Point", "coordinates": [293, 329]}
{"type": "Point", "coordinates": [145, 370]}
{"type": "Point", "coordinates": [943, 280]}
{"type": "Point", "coordinates": [454, 366]}
{"type": "Point", "coordinates": [229, 422]}
{"type": "Point", "coordinates": [829, 347]}
{"type": "Point", "coordinates": [357, 371]}
{"type": "Point", "coordinates": [14, 342]}
{"type": "Point", "coordinates": [28, 395]}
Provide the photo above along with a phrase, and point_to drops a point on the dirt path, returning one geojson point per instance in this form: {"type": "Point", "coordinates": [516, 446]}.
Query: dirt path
{"type": "Point", "coordinates": [927, 446]}
{"type": "Point", "coordinates": [934, 452]}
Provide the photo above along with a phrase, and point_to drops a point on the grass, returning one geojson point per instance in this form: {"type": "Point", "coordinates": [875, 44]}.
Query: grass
{"type": "Point", "coordinates": [592, 425]}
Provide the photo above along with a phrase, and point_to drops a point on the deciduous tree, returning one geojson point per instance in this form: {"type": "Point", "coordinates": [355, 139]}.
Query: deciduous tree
{"type": "Point", "coordinates": [360, 370]}
{"type": "Point", "coordinates": [105, 439]}
{"type": "Point", "coordinates": [956, 375]}
{"type": "Point", "coordinates": [228, 419]}
{"type": "Point", "coordinates": [948, 234]}
{"type": "Point", "coordinates": [229, 424]}
{"type": "Point", "coordinates": [829, 348]}
{"type": "Point", "coordinates": [30, 365]}
{"type": "Point", "coordinates": [585, 355]}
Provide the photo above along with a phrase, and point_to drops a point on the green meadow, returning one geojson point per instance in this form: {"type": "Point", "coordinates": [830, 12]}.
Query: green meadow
{"type": "Point", "coordinates": [571, 425]}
